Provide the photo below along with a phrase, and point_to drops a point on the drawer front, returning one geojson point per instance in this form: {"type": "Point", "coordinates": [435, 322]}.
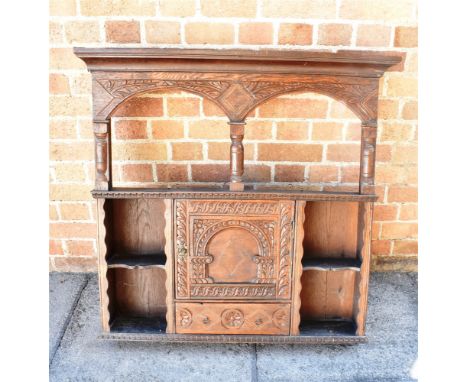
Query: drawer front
{"type": "Point", "coordinates": [233, 249]}
{"type": "Point", "coordinates": [222, 318]}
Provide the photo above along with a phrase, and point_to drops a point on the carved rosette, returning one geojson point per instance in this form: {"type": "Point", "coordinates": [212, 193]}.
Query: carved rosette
{"type": "Point", "coordinates": [232, 318]}
{"type": "Point", "coordinates": [281, 318]}
{"type": "Point", "coordinates": [181, 243]}
{"type": "Point", "coordinates": [185, 317]}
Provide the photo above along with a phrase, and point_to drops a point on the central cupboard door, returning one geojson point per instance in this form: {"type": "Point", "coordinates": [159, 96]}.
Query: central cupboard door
{"type": "Point", "coordinates": [233, 249]}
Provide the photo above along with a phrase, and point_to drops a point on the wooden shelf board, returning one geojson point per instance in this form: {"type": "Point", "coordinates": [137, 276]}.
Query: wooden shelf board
{"type": "Point", "coordinates": [330, 264]}
{"type": "Point", "coordinates": [327, 327]}
{"type": "Point", "coordinates": [137, 261]}
{"type": "Point", "coordinates": [144, 325]}
{"type": "Point", "coordinates": [224, 193]}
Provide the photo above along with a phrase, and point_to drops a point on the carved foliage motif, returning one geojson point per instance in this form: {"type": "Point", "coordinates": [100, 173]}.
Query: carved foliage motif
{"type": "Point", "coordinates": [238, 97]}
{"type": "Point", "coordinates": [181, 243]}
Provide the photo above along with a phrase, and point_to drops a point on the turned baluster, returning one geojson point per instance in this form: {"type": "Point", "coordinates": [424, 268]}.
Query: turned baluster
{"type": "Point", "coordinates": [237, 156]}
{"type": "Point", "coordinates": [368, 149]}
{"type": "Point", "coordinates": [102, 155]}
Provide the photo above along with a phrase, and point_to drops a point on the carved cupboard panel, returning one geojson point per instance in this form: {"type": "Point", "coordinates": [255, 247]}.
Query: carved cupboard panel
{"type": "Point", "coordinates": [231, 249]}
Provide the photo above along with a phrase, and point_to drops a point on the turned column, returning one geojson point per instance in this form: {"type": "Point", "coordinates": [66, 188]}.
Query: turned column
{"type": "Point", "coordinates": [102, 155]}
{"type": "Point", "coordinates": [237, 156]}
{"type": "Point", "coordinates": [368, 147]}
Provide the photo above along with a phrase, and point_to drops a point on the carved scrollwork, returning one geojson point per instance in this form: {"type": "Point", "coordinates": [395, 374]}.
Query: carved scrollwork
{"type": "Point", "coordinates": [224, 291]}
{"type": "Point", "coordinates": [233, 208]}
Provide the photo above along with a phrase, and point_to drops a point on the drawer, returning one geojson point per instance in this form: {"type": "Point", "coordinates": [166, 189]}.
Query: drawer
{"type": "Point", "coordinates": [242, 318]}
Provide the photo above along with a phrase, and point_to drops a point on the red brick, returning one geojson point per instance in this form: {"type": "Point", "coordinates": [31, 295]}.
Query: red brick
{"type": "Point", "coordinates": [62, 129]}
{"type": "Point", "coordinates": [71, 151]}
{"type": "Point", "coordinates": [55, 247]}
{"type": "Point", "coordinates": [381, 247]}
{"type": "Point", "coordinates": [210, 172]}
{"type": "Point", "coordinates": [62, 7]}
{"type": "Point", "coordinates": [256, 33]}
{"type": "Point", "coordinates": [340, 110]}
{"type": "Point", "coordinates": [76, 264]}
{"type": "Point", "coordinates": [74, 211]}
{"type": "Point", "coordinates": [410, 110]}
{"type": "Point", "coordinates": [385, 212]}
{"type": "Point", "coordinates": [295, 34]}
{"type": "Point", "coordinates": [210, 109]}
{"type": "Point", "coordinates": [350, 174]}
{"type": "Point", "coordinates": [64, 58]}
{"type": "Point", "coordinates": [162, 32]}
{"type": "Point", "coordinates": [82, 31]}
{"type": "Point", "coordinates": [373, 35]}
{"type": "Point", "coordinates": [405, 247]}
{"type": "Point", "coordinates": [399, 230]}
{"type": "Point", "coordinates": [323, 174]}
{"type": "Point", "coordinates": [178, 8]}
{"type": "Point", "coordinates": [382, 10]}
{"type": "Point", "coordinates": [69, 230]}
{"type": "Point", "coordinates": [405, 154]}
{"type": "Point", "coordinates": [396, 132]}
{"type": "Point", "coordinates": [388, 109]}
{"type": "Point", "coordinates": [402, 86]}
{"type": "Point", "coordinates": [383, 153]}
{"type": "Point", "coordinates": [343, 152]}
{"type": "Point", "coordinates": [187, 151]}
{"type": "Point", "coordinates": [402, 194]}
{"type": "Point", "coordinates": [289, 152]}
{"type": "Point", "coordinates": [208, 129]}
{"type": "Point", "coordinates": [409, 212]}
{"type": "Point", "coordinates": [53, 214]}
{"type": "Point", "coordinates": [258, 130]}
{"type": "Point", "coordinates": [172, 173]}
{"type": "Point", "coordinates": [209, 33]}
{"type": "Point", "coordinates": [335, 34]}
{"type": "Point", "coordinates": [118, 8]}
{"type": "Point", "coordinates": [183, 107]}
{"type": "Point", "coordinates": [167, 129]}
{"type": "Point", "coordinates": [80, 248]}
{"type": "Point", "coordinates": [327, 131]}
{"type": "Point", "coordinates": [257, 173]}
{"type": "Point", "coordinates": [58, 84]}
{"type": "Point", "coordinates": [137, 173]}
{"type": "Point", "coordinates": [130, 129]}
{"type": "Point", "coordinates": [353, 132]}
{"type": "Point", "coordinates": [55, 33]}
{"type": "Point", "coordinates": [285, 173]}
{"type": "Point", "coordinates": [69, 106]}
{"type": "Point", "coordinates": [139, 151]}
{"type": "Point", "coordinates": [389, 174]}
{"type": "Point", "coordinates": [70, 191]}
{"type": "Point", "coordinates": [140, 107]}
{"type": "Point", "coordinates": [297, 131]}
{"type": "Point", "coordinates": [231, 8]}
{"type": "Point", "coordinates": [123, 31]}
{"type": "Point", "coordinates": [321, 9]}
{"type": "Point", "coordinates": [406, 37]}
{"type": "Point", "coordinates": [294, 108]}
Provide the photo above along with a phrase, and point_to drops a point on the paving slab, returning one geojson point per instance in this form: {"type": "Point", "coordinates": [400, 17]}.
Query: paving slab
{"type": "Point", "coordinates": [389, 355]}
{"type": "Point", "coordinates": [64, 291]}
{"type": "Point", "coordinates": [82, 357]}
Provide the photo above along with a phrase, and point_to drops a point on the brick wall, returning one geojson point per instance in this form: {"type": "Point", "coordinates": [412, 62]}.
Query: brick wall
{"type": "Point", "coordinates": [303, 139]}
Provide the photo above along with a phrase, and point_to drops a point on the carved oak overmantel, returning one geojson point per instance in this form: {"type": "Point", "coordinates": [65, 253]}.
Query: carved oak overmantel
{"type": "Point", "coordinates": [237, 81]}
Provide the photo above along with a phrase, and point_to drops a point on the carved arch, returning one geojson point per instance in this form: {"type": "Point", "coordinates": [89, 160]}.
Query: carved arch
{"type": "Point", "coordinates": [238, 97]}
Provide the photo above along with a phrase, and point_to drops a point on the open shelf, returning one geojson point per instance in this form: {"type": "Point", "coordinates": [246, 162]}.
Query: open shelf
{"type": "Point", "coordinates": [330, 264]}
{"type": "Point", "coordinates": [341, 327]}
{"type": "Point", "coordinates": [128, 324]}
{"type": "Point", "coordinates": [157, 260]}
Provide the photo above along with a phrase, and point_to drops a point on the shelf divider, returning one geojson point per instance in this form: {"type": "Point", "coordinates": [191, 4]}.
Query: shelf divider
{"type": "Point", "coordinates": [157, 260]}
{"type": "Point", "coordinates": [331, 264]}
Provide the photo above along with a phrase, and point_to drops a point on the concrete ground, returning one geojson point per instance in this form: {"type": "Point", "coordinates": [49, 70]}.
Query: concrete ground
{"type": "Point", "coordinates": [77, 355]}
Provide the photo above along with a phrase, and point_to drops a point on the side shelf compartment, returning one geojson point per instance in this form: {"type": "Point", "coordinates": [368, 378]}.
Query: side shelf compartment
{"type": "Point", "coordinates": [137, 239]}
{"type": "Point", "coordinates": [332, 265]}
